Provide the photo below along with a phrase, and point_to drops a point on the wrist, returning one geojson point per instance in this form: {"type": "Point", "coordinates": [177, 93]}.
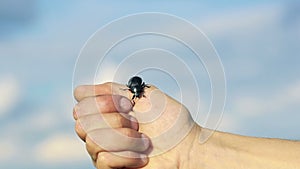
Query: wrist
{"type": "Point", "coordinates": [194, 151]}
{"type": "Point", "coordinates": [204, 155]}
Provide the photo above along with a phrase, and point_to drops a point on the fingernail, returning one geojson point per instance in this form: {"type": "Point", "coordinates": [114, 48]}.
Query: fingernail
{"type": "Point", "coordinates": [145, 140]}
{"type": "Point", "coordinates": [134, 123]}
{"type": "Point", "coordinates": [125, 104]}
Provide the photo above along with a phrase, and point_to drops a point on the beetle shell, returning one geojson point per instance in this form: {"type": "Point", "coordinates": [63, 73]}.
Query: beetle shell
{"type": "Point", "coordinates": [136, 87]}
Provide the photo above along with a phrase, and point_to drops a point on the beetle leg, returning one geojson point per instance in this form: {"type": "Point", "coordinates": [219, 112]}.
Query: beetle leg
{"type": "Point", "coordinates": [124, 89]}
{"type": "Point", "coordinates": [145, 85]}
{"type": "Point", "coordinates": [133, 102]}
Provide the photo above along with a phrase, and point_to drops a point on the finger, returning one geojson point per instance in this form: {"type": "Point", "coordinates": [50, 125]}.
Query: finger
{"type": "Point", "coordinates": [128, 159]}
{"type": "Point", "coordinates": [79, 131]}
{"type": "Point", "coordinates": [108, 88]}
{"type": "Point", "coordinates": [111, 120]}
{"type": "Point", "coordinates": [91, 122]}
{"type": "Point", "coordinates": [74, 114]}
{"type": "Point", "coordinates": [121, 139]}
{"type": "Point", "coordinates": [102, 104]}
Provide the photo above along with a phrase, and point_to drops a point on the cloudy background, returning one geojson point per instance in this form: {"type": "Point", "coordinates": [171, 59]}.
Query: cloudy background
{"type": "Point", "coordinates": [258, 43]}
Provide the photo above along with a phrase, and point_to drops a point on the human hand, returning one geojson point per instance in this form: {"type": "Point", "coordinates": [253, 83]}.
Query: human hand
{"type": "Point", "coordinates": [104, 110]}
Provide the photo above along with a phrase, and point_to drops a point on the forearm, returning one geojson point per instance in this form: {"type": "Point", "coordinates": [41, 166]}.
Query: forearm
{"type": "Point", "coordinates": [224, 150]}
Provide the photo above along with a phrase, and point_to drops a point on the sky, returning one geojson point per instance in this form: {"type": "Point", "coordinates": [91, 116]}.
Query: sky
{"type": "Point", "coordinates": [257, 42]}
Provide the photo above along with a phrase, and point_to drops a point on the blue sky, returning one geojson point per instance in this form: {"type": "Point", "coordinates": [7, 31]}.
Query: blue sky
{"type": "Point", "coordinates": [257, 41]}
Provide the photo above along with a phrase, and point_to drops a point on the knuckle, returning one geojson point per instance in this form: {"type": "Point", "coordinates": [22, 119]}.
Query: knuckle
{"type": "Point", "coordinates": [102, 160]}
{"type": "Point", "coordinates": [78, 91]}
{"type": "Point", "coordinates": [91, 147]}
{"type": "Point", "coordinates": [90, 142]}
{"type": "Point", "coordinates": [77, 106]}
{"type": "Point", "coordinates": [82, 103]}
{"type": "Point", "coordinates": [78, 128]}
{"type": "Point", "coordinates": [75, 110]}
{"type": "Point", "coordinates": [84, 106]}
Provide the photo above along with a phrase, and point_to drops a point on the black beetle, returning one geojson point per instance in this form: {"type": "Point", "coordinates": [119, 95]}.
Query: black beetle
{"type": "Point", "coordinates": [136, 87]}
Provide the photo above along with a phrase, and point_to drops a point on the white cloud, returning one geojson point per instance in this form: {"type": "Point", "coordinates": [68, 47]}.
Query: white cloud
{"type": "Point", "coordinates": [229, 123]}
{"type": "Point", "coordinates": [248, 19]}
{"type": "Point", "coordinates": [256, 106]}
{"type": "Point", "coordinates": [9, 94]}
{"type": "Point", "coordinates": [43, 120]}
{"type": "Point", "coordinates": [8, 150]}
{"type": "Point", "coordinates": [106, 72]}
{"type": "Point", "coordinates": [249, 105]}
{"type": "Point", "coordinates": [60, 148]}
{"type": "Point", "coordinates": [294, 92]}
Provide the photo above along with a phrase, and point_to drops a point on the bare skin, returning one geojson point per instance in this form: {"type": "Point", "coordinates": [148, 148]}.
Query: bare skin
{"type": "Point", "coordinates": [104, 110]}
